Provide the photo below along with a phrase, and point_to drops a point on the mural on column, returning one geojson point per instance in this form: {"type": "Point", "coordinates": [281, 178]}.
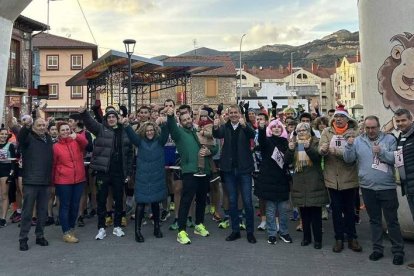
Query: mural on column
{"type": "Point", "coordinates": [396, 76]}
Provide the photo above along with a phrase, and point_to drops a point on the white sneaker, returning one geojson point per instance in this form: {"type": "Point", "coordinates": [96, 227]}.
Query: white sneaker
{"type": "Point", "coordinates": [262, 226]}
{"type": "Point", "coordinates": [118, 232]}
{"type": "Point", "coordinates": [101, 234]}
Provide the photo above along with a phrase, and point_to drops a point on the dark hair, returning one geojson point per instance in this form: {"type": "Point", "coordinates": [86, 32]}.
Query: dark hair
{"type": "Point", "coordinates": [305, 115]}
{"type": "Point", "coordinates": [264, 115]}
{"type": "Point", "coordinates": [185, 106]}
{"type": "Point", "coordinates": [61, 123]}
{"type": "Point", "coordinates": [403, 111]}
{"type": "Point", "coordinates": [331, 110]}
{"type": "Point", "coordinates": [144, 107]}
{"type": "Point", "coordinates": [50, 126]}
{"type": "Point", "coordinates": [169, 100]}
{"type": "Point", "coordinates": [372, 117]}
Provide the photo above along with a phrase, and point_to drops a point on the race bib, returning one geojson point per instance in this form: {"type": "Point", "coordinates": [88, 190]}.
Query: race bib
{"type": "Point", "coordinates": [3, 154]}
{"type": "Point", "coordinates": [378, 165]}
{"type": "Point", "coordinates": [338, 142]}
{"type": "Point", "coordinates": [278, 157]}
{"type": "Point", "coordinates": [399, 159]}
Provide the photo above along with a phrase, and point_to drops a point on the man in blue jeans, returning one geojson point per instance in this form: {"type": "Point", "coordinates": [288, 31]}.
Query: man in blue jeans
{"type": "Point", "coordinates": [237, 165]}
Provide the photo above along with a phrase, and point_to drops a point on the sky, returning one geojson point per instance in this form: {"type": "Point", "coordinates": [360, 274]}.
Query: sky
{"type": "Point", "coordinates": [172, 27]}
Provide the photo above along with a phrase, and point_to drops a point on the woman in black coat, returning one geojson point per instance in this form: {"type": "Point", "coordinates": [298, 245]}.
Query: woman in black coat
{"type": "Point", "coordinates": [272, 184]}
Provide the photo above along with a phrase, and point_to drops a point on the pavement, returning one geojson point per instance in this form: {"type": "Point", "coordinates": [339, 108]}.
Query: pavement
{"type": "Point", "coordinates": [205, 256]}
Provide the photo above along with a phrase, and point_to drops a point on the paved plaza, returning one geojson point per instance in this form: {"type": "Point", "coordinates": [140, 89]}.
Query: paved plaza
{"type": "Point", "coordinates": [205, 256]}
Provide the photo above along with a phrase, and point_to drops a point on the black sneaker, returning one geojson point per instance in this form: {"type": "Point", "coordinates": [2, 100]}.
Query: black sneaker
{"type": "Point", "coordinates": [200, 173]}
{"type": "Point", "coordinates": [23, 245]}
{"type": "Point", "coordinates": [375, 256]}
{"type": "Point", "coordinates": [34, 221]}
{"type": "Point", "coordinates": [3, 223]}
{"type": "Point", "coordinates": [92, 213]}
{"type": "Point", "coordinates": [164, 215]}
{"type": "Point", "coordinates": [272, 240]}
{"type": "Point", "coordinates": [81, 223]}
{"type": "Point", "coordinates": [286, 238]}
{"type": "Point", "coordinates": [398, 260]}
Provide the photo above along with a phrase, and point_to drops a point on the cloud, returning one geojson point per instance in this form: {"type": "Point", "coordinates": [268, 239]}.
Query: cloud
{"type": "Point", "coordinates": [121, 6]}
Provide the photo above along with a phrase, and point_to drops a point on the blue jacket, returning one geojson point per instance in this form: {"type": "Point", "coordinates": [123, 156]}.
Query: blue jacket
{"type": "Point", "coordinates": [361, 151]}
{"type": "Point", "coordinates": [150, 183]}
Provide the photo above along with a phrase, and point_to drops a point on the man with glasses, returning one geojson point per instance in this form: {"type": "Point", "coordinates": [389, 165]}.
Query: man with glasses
{"type": "Point", "coordinates": [374, 152]}
{"type": "Point", "coordinates": [341, 178]}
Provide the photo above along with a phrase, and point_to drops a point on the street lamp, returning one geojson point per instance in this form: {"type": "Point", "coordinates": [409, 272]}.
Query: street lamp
{"type": "Point", "coordinates": [129, 49]}
{"type": "Point", "coordinates": [240, 68]}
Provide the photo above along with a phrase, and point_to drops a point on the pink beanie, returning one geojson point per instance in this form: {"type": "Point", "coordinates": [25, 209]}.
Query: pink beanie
{"type": "Point", "coordinates": [274, 123]}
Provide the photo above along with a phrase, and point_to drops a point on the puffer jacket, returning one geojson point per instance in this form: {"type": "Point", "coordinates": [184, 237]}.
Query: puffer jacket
{"type": "Point", "coordinates": [407, 145]}
{"type": "Point", "coordinates": [150, 171]}
{"type": "Point", "coordinates": [104, 143]}
{"type": "Point", "coordinates": [272, 182]}
{"type": "Point", "coordinates": [308, 189]}
{"type": "Point", "coordinates": [68, 167]}
{"type": "Point", "coordinates": [338, 174]}
{"type": "Point", "coordinates": [37, 157]}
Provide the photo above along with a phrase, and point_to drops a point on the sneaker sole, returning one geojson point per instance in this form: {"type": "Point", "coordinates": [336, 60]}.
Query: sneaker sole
{"type": "Point", "coordinates": [99, 239]}
{"type": "Point", "coordinates": [284, 240]}
{"type": "Point", "coordinates": [272, 243]}
{"type": "Point", "coordinates": [214, 179]}
{"type": "Point", "coordinates": [189, 242]}
{"type": "Point", "coordinates": [198, 233]}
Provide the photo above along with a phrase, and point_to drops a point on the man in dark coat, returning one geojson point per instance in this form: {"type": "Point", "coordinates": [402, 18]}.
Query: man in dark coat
{"type": "Point", "coordinates": [37, 153]}
{"type": "Point", "coordinates": [112, 160]}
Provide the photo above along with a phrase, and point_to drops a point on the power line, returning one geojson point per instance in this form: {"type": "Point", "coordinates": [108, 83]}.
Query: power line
{"type": "Point", "coordinates": [89, 27]}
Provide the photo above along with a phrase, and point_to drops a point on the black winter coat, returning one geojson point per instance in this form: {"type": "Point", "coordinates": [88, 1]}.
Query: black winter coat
{"type": "Point", "coordinates": [37, 157]}
{"type": "Point", "coordinates": [104, 143]}
{"type": "Point", "coordinates": [272, 182]}
{"type": "Point", "coordinates": [244, 160]}
{"type": "Point", "coordinates": [408, 153]}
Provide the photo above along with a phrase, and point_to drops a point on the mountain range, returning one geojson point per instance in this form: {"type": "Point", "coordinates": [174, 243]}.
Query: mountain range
{"type": "Point", "coordinates": [325, 52]}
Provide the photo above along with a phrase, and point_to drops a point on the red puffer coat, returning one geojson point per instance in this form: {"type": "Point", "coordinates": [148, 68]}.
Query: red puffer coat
{"type": "Point", "coordinates": [68, 167]}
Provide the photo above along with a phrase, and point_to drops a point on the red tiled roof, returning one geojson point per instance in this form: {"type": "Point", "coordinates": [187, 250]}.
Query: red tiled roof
{"type": "Point", "coordinates": [227, 69]}
{"type": "Point", "coordinates": [322, 72]}
{"type": "Point", "coordinates": [268, 73]}
{"type": "Point", "coordinates": [49, 41]}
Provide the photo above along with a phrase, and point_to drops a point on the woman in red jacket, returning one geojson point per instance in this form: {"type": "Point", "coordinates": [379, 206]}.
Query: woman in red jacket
{"type": "Point", "coordinates": [68, 177]}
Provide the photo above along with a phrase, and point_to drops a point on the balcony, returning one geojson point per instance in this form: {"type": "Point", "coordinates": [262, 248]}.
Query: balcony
{"type": "Point", "coordinates": [17, 79]}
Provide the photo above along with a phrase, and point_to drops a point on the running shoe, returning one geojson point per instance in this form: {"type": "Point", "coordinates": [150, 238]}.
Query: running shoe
{"type": "Point", "coordinates": [190, 223]}
{"type": "Point", "coordinates": [101, 234]}
{"type": "Point", "coordinates": [124, 222]}
{"type": "Point", "coordinates": [201, 230]}
{"type": "Point", "coordinates": [216, 217]}
{"type": "Point", "coordinates": [199, 174]}
{"type": "Point", "coordinates": [286, 238]}
{"type": "Point", "coordinates": [3, 223]}
{"type": "Point", "coordinates": [174, 225]}
{"type": "Point", "coordinates": [118, 232]}
{"type": "Point", "coordinates": [108, 221]}
{"type": "Point", "coordinates": [272, 240]}
{"type": "Point", "coordinates": [182, 237]}
{"type": "Point", "coordinates": [262, 226]}
{"type": "Point", "coordinates": [164, 215]}
{"type": "Point", "coordinates": [81, 223]}
{"type": "Point", "coordinates": [224, 224]}
{"type": "Point", "coordinates": [50, 221]}
{"type": "Point", "coordinates": [17, 218]}
{"type": "Point", "coordinates": [212, 210]}
{"type": "Point", "coordinates": [242, 225]}
{"type": "Point", "coordinates": [172, 206]}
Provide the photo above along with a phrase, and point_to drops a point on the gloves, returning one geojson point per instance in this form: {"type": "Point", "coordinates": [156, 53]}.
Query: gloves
{"type": "Point", "coordinates": [274, 104]}
{"type": "Point", "coordinates": [124, 111]}
{"type": "Point", "coordinates": [220, 108]}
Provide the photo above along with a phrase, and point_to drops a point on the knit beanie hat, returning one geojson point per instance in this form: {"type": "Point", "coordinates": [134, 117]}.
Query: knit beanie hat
{"type": "Point", "coordinates": [111, 111]}
{"type": "Point", "coordinates": [208, 112]}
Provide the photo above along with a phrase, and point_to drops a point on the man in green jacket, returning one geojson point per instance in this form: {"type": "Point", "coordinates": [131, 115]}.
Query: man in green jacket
{"type": "Point", "coordinates": [188, 147]}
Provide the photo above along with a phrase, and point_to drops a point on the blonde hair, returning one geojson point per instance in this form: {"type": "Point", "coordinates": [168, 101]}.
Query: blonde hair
{"type": "Point", "coordinates": [143, 128]}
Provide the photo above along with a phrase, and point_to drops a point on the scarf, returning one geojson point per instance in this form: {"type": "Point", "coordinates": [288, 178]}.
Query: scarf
{"type": "Point", "coordinates": [340, 130]}
{"type": "Point", "coordinates": [302, 159]}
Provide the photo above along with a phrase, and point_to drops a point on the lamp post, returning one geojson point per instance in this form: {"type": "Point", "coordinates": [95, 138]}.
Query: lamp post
{"type": "Point", "coordinates": [129, 49]}
{"type": "Point", "coordinates": [240, 68]}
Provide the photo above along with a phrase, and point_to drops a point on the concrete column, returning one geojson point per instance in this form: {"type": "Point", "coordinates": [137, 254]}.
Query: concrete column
{"type": "Point", "coordinates": [9, 11]}
{"type": "Point", "coordinates": [387, 53]}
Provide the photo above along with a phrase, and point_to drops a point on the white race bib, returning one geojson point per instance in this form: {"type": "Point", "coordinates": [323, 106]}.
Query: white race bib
{"type": "Point", "coordinates": [399, 159]}
{"type": "Point", "coordinates": [338, 142]}
{"type": "Point", "coordinates": [278, 157]}
{"type": "Point", "coordinates": [378, 165]}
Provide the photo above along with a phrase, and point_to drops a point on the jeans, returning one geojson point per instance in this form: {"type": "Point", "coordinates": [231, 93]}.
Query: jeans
{"type": "Point", "coordinates": [311, 219]}
{"type": "Point", "coordinates": [343, 203]}
{"type": "Point", "coordinates": [378, 203]}
{"type": "Point", "coordinates": [103, 181]}
{"type": "Point", "coordinates": [197, 186]}
{"type": "Point", "coordinates": [34, 194]}
{"type": "Point", "coordinates": [69, 198]}
{"type": "Point", "coordinates": [282, 208]}
{"type": "Point", "coordinates": [410, 199]}
{"type": "Point", "coordinates": [234, 181]}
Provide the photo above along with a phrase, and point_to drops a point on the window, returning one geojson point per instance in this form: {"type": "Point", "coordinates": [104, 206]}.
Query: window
{"type": "Point", "coordinates": [76, 92]}
{"type": "Point", "coordinates": [53, 91]}
{"type": "Point", "coordinates": [180, 94]}
{"type": "Point", "coordinates": [211, 88]}
{"type": "Point", "coordinates": [155, 91]}
{"type": "Point", "coordinates": [302, 76]}
{"type": "Point", "coordinates": [52, 62]}
{"type": "Point", "coordinates": [76, 62]}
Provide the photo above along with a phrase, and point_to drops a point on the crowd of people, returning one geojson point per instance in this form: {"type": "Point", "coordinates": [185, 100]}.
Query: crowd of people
{"type": "Point", "coordinates": [178, 159]}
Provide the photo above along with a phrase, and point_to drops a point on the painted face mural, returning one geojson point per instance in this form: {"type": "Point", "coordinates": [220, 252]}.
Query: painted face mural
{"type": "Point", "coordinates": [396, 76]}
